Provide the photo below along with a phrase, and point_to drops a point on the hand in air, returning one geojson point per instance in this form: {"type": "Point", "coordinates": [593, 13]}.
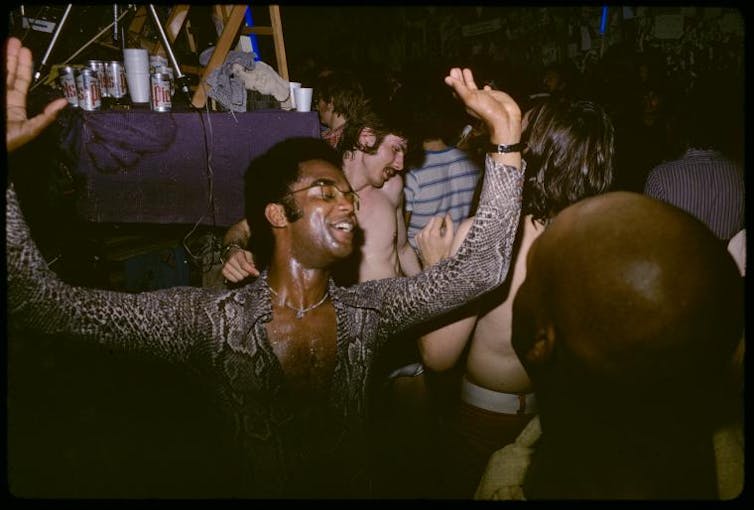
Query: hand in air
{"type": "Point", "coordinates": [18, 128]}
{"type": "Point", "coordinates": [496, 108]}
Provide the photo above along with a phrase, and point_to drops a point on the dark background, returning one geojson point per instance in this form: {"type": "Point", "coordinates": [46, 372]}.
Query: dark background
{"type": "Point", "coordinates": [75, 428]}
{"type": "Point", "coordinates": [503, 39]}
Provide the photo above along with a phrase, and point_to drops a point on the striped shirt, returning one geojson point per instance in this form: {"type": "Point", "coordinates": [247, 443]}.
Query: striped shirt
{"type": "Point", "coordinates": [445, 183]}
{"type": "Point", "coordinates": [705, 184]}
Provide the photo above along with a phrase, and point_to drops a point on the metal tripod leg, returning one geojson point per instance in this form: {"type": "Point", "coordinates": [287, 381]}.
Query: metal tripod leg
{"type": "Point", "coordinates": [54, 39]}
{"type": "Point", "coordinates": [180, 78]}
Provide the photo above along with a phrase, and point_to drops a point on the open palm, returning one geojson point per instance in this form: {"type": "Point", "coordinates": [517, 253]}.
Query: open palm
{"type": "Point", "coordinates": [19, 129]}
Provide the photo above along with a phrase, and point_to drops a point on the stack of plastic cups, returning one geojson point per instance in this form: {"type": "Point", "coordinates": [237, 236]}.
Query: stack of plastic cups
{"type": "Point", "coordinates": [293, 85]}
{"type": "Point", "coordinates": [136, 62]}
{"type": "Point", "coordinates": [303, 99]}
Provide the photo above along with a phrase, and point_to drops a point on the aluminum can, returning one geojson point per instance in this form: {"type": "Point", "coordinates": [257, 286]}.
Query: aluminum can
{"type": "Point", "coordinates": [67, 79]}
{"type": "Point", "coordinates": [155, 62]}
{"type": "Point", "coordinates": [98, 66]}
{"type": "Point", "coordinates": [169, 72]}
{"type": "Point", "coordinates": [116, 79]}
{"type": "Point", "coordinates": [161, 98]}
{"type": "Point", "coordinates": [88, 88]}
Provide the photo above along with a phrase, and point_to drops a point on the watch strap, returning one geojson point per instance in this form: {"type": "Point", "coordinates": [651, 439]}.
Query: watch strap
{"type": "Point", "coordinates": [505, 149]}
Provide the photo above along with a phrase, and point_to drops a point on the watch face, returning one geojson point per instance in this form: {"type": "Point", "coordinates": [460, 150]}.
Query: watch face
{"type": "Point", "coordinates": [505, 149]}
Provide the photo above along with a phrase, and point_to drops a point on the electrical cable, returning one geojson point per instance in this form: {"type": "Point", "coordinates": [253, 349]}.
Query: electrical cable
{"type": "Point", "coordinates": [214, 244]}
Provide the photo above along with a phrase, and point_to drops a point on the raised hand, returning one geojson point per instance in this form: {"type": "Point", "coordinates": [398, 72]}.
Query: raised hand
{"type": "Point", "coordinates": [435, 239]}
{"type": "Point", "coordinates": [496, 108]}
{"type": "Point", "coordinates": [18, 128]}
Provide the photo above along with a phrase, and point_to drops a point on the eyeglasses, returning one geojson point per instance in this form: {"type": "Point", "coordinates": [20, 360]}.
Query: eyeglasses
{"type": "Point", "coordinates": [329, 192]}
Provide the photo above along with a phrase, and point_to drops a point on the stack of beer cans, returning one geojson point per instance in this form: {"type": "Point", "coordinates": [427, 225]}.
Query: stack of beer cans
{"type": "Point", "coordinates": [101, 84]}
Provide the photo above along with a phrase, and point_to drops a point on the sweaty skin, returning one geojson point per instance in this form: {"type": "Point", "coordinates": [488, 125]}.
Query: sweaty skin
{"type": "Point", "coordinates": [385, 251]}
{"type": "Point", "coordinates": [289, 445]}
{"type": "Point", "coordinates": [491, 361]}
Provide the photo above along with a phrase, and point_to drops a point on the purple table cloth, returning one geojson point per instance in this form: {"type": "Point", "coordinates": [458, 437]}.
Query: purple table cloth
{"type": "Point", "coordinates": [147, 167]}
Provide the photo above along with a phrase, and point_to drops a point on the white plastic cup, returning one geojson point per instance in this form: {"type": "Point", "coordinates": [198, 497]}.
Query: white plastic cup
{"type": "Point", "coordinates": [294, 85]}
{"type": "Point", "coordinates": [303, 98]}
{"type": "Point", "coordinates": [136, 60]}
{"type": "Point", "coordinates": [138, 87]}
{"type": "Point", "coordinates": [136, 64]}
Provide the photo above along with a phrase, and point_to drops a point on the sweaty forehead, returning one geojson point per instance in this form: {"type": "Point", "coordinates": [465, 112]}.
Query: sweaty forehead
{"type": "Point", "coordinates": [316, 169]}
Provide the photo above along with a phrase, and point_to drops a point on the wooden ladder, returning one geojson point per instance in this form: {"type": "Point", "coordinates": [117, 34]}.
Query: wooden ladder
{"type": "Point", "coordinates": [233, 16]}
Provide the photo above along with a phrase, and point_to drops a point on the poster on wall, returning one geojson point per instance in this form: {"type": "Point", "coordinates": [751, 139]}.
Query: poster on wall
{"type": "Point", "coordinates": [586, 39]}
{"type": "Point", "coordinates": [732, 23]}
{"type": "Point", "coordinates": [668, 26]}
{"type": "Point", "coordinates": [480, 28]}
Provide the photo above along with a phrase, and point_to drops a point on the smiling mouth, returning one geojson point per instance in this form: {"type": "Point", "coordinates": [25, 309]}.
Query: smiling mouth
{"type": "Point", "coordinates": [345, 226]}
{"type": "Point", "coordinates": [344, 229]}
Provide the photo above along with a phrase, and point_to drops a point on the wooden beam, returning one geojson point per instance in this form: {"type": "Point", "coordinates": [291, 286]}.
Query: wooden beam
{"type": "Point", "coordinates": [173, 26]}
{"type": "Point", "coordinates": [257, 30]}
{"type": "Point", "coordinates": [137, 23]}
{"type": "Point", "coordinates": [175, 21]}
{"type": "Point", "coordinates": [277, 36]}
{"type": "Point", "coordinates": [224, 43]}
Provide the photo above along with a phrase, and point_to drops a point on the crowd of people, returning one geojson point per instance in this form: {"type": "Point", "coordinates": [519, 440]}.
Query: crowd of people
{"type": "Point", "coordinates": [446, 230]}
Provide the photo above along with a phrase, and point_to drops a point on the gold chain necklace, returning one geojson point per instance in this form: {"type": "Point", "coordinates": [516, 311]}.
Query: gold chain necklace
{"type": "Point", "coordinates": [301, 311]}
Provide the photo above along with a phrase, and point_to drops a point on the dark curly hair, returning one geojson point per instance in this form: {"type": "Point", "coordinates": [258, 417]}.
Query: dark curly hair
{"type": "Point", "coordinates": [569, 157]}
{"type": "Point", "coordinates": [268, 180]}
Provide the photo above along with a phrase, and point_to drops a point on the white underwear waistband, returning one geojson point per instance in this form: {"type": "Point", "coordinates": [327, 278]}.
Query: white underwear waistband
{"type": "Point", "coordinates": [508, 403]}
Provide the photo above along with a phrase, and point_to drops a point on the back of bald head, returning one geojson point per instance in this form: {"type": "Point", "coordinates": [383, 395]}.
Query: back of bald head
{"type": "Point", "coordinates": [643, 297]}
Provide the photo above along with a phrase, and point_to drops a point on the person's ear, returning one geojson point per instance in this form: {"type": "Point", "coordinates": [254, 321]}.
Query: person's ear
{"type": "Point", "coordinates": [275, 214]}
{"type": "Point", "coordinates": [542, 347]}
{"type": "Point", "coordinates": [367, 138]}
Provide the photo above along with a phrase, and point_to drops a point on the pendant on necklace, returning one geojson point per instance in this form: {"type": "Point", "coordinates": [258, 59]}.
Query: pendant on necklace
{"type": "Point", "coordinates": [299, 314]}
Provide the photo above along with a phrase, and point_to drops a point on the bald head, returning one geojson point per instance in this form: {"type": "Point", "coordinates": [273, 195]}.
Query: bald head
{"type": "Point", "coordinates": [628, 291]}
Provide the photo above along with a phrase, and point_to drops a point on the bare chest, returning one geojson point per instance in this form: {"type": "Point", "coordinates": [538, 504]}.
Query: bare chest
{"type": "Point", "coordinates": [377, 218]}
{"type": "Point", "coordinates": [305, 347]}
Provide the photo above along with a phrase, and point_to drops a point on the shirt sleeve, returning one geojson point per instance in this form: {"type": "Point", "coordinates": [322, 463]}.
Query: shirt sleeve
{"type": "Point", "coordinates": [166, 323]}
{"type": "Point", "coordinates": [653, 187]}
{"type": "Point", "coordinates": [410, 188]}
{"type": "Point", "coordinates": [480, 264]}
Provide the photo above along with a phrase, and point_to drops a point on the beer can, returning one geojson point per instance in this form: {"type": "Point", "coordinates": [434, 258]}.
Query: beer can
{"type": "Point", "coordinates": [155, 62]}
{"type": "Point", "coordinates": [169, 72]}
{"type": "Point", "coordinates": [68, 83]}
{"type": "Point", "coordinates": [116, 79]}
{"type": "Point", "coordinates": [98, 66]}
{"type": "Point", "coordinates": [88, 89]}
{"type": "Point", "coordinates": [161, 98]}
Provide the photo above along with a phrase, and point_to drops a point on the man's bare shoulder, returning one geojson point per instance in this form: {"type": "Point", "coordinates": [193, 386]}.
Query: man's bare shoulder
{"type": "Point", "coordinates": [376, 205]}
{"type": "Point", "coordinates": [393, 190]}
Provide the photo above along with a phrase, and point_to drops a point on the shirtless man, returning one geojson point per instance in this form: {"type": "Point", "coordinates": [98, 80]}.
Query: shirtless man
{"type": "Point", "coordinates": [496, 399]}
{"type": "Point", "coordinates": [372, 152]}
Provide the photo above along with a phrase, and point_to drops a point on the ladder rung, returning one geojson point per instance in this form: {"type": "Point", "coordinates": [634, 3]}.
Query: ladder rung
{"type": "Point", "coordinates": [257, 30]}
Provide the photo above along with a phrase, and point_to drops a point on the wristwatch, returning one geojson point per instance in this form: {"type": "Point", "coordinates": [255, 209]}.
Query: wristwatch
{"type": "Point", "coordinates": [505, 149]}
